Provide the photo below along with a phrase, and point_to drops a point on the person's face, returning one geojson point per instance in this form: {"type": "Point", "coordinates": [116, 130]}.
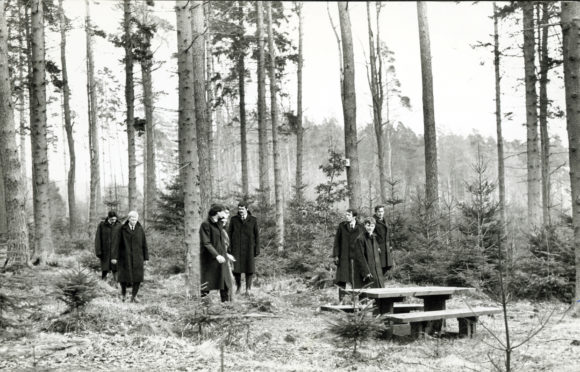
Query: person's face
{"type": "Point", "coordinates": [243, 210]}
{"type": "Point", "coordinates": [112, 220]}
{"type": "Point", "coordinates": [133, 219]}
{"type": "Point", "coordinates": [221, 215]}
{"type": "Point", "coordinates": [380, 212]}
{"type": "Point", "coordinates": [369, 227]}
{"type": "Point", "coordinates": [348, 216]}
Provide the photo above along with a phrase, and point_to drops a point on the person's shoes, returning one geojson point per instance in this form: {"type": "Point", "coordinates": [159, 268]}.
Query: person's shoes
{"type": "Point", "coordinates": [238, 291]}
{"type": "Point", "coordinates": [134, 300]}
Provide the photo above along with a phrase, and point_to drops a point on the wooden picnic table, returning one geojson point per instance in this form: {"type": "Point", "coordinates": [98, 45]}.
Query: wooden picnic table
{"type": "Point", "coordinates": [434, 298]}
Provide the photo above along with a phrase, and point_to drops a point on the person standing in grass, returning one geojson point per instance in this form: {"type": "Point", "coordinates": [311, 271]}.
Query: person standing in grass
{"type": "Point", "coordinates": [344, 238]}
{"type": "Point", "coordinates": [382, 236]}
{"type": "Point", "coordinates": [104, 242]}
{"type": "Point", "coordinates": [367, 258]}
{"type": "Point", "coordinates": [245, 245]}
{"type": "Point", "coordinates": [130, 254]}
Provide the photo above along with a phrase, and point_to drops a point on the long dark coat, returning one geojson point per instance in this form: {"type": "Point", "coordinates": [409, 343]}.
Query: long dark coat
{"type": "Point", "coordinates": [212, 245]}
{"type": "Point", "coordinates": [104, 242]}
{"type": "Point", "coordinates": [343, 243]}
{"type": "Point", "coordinates": [382, 232]}
{"type": "Point", "coordinates": [367, 261]}
{"type": "Point", "coordinates": [245, 243]}
{"type": "Point", "coordinates": [130, 251]}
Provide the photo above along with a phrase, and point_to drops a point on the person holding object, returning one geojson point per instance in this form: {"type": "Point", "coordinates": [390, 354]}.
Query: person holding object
{"type": "Point", "coordinates": [104, 242]}
{"type": "Point", "coordinates": [245, 245]}
{"type": "Point", "coordinates": [344, 239]}
{"type": "Point", "coordinates": [382, 236]}
{"type": "Point", "coordinates": [130, 254]}
{"type": "Point", "coordinates": [213, 253]}
{"type": "Point", "coordinates": [367, 258]}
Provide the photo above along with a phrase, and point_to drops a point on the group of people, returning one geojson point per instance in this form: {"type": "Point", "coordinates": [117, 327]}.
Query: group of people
{"type": "Point", "coordinates": [362, 253]}
{"type": "Point", "coordinates": [228, 250]}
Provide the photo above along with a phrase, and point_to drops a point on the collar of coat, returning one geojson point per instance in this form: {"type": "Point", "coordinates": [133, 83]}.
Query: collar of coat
{"type": "Point", "coordinates": [382, 222]}
{"type": "Point", "coordinates": [126, 225]}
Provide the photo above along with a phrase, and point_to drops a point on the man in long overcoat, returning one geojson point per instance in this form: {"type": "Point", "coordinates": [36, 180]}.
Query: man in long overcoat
{"type": "Point", "coordinates": [213, 254]}
{"type": "Point", "coordinates": [104, 242]}
{"type": "Point", "coordinates": [245, 245]}
{"type": "Point", "coordinates": [367, 258]}
{"type": "Point", "coordinates": [130, 253]}
{"type": "Point", "coordinates": [382, 233]}
{"type": "Point", "coordinates": [344, 239]}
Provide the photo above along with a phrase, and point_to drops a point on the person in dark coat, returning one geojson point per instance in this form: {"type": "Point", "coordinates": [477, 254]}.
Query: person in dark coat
{"type": "Point", "coordinates": [104, 241]}
{"type": "Point", "coordinates": [245, 245]}
{"type": "Point", "coordinates": [367, 258]}
{"type": "Point", "coordinates": [382, 233]}
{"type": "Point", "coordinates": [130, 253]}
{"type": "Point", "coordinates": [344, 239]}
{"type": "Point", "coordinates": [213, 253]}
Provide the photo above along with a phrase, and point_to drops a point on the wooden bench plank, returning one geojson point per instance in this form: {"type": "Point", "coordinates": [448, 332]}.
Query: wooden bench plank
{"type": "Point", "coordinates": [442, 314]}
{"type": "Point", "coordinates": [398, 308]}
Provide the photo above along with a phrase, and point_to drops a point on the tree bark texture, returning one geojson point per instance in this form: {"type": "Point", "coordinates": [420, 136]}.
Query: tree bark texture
{"type": "Point", "coordinates": [23, 123]}
{"type": "Point", "coordinates": [299, 127]}
{"type": "Point", "coordinates": [192, 218]}
{"type": "Point", "coordinates": [241, 66]}
{"type": "Point", "coordinates": [130, 103]}
{"type": "Point", "coordinates": [18, 251]}
{"type": "Point", "coordinates": [349, 109]}
{"type": "Point", "coordinates": [544, 137]}
{"type": "Point", "coordinates": [209, 91]}
{"type": "Point", "coordinates": [43, 245]}
{"type": "Point", "coordinates": [533, 151]}
{"type": "Point", "coordinates": [278, 192]}
{"type": "Point", "coordinates": [430, 136]}
{"type": "Point", "coordinates": [201, 119]}
{"type": "Point", "coordinates": [571, 55]}
{"type": "Point", "coordinates": [500, 155]}
{"type": "Point", "coordinates": [95, 184]}
{"type": "Point", "coordinates": [376, 86]}
{"type": "Point", "coordinates": [264, 164]}
{"type": "Point", "coordinates": [68, 126]}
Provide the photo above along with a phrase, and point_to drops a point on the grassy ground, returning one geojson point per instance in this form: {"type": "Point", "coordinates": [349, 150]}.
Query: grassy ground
{"type": "Point", "coordinates": [285, 331]}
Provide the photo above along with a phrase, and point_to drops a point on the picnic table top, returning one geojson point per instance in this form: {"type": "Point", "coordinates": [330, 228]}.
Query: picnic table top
{"type": "Point", "coordinates": [410, 291]}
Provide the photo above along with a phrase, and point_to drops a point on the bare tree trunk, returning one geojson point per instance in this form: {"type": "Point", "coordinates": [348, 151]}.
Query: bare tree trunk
{"type": "Point", "coordinates": [201, 119]}
{"type": "Point", "coordinates": [278, 192]}
{"type": "Point", "coordinates": [349, 109]}
{"type": "Point", "coordinates": [22, 105]}
{"type": "Point", "coordinates": [95, 188]}
{"type": "Point", "coordinates": [544, 138]}
{"type": "Point", "coordinates": [130, 102]}
{"type": "Point", "coordinates": [264, 164]}
{"type": "Point", "coordinates": [571, 55]}
{"type": "Point", "coordinates": [209, 89]}
{"type": "Point", "coordinates": [242, 94]}
{"type": "Point", "coordinates": [376, 86]}
{"type": "Point", "coordinates": [500, 156]}
{"type": "Point", "coordinates": [44, 248]}
{"type": "Point", "coordinates": [533, 152]}
{"type": "Point", "coordinates": [72, 214]}
{"type": "Point", "coordinates": [431, 176]}
{"type": "Point", "coordinates": [192, 218]}
{"type": "Point", "coordinates": [18, 251]}
{"type": "Point", "coordinates": [299, 127]}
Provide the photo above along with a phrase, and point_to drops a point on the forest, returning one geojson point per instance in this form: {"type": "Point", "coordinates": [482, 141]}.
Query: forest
{"type": "Point", "coordinates": [459, 119]}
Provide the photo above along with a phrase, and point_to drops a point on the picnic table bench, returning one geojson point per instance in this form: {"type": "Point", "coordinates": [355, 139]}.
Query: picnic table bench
{"type": "Point", "coordinates": [423, 322]}
{"type": "Point", "coordinates": [397, 308]}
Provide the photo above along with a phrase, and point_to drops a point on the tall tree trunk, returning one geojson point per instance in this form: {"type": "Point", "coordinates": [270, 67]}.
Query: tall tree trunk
{"type": "Point", "coordinates": [299, 127]}
{"type": "Point", "coordinates": [430, 136]}
{"type": "Point", "coordinates": [191, 197]}
{"type": "Point", "coordinates": [544, 138]}
{"type": "Point", "coordinates": [209, 91]}
{"type": "Point", "coordinates": [278, 192]}
{"type": "Point", "coordinates": [14, 200]}
{"type": "Point", "coordinates": [130, 102]}
{"type": "Point", "coordinates": [571, 56]}
{"type": "Point", "coordinates": [43, 246]}
{"type": "Point", "coordinates": [95, 188]}
{"type": "Point", "coordinates": [376, 86]}
{"type": "Point", "coordinates": [533, 152]}
{"type": "Point", "coordinates": [500, 156]}
{"type": "Point", "coordinates": [241, 66]}
{"type": "Point", "coordinates": [23, 25]}
{"type": "Point", "coordinates": [349, 109]}
{"type": "Point", "coordinates": [68, 126]}
{"type": "Point", "coordinates": [201, 120]}
{"type": "Point", "coordinates": [264, 164]}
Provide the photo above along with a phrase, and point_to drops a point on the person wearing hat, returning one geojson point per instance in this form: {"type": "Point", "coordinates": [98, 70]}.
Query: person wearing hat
{"type": "Point", "coordinates": [104, 241]}
{"type": "Point", "coordinates": [367, 258]}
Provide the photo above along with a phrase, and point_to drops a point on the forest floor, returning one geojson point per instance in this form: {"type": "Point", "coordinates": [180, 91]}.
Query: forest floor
{"type": "Point", "coordinates": [282, 330]}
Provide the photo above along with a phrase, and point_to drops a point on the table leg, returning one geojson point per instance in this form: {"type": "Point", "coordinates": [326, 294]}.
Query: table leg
{"type": "Point", "coordinates": [434, 303]}
{"type": "Point", "coordinates": [385, 305]}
